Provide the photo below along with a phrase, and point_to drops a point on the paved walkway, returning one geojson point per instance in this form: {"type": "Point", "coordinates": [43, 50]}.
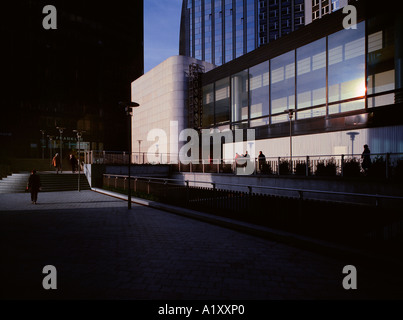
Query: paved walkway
{"type": "Point", "coordinates": [103, 251]}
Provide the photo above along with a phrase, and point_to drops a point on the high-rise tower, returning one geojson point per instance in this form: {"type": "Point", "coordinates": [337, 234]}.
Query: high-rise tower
{"type": "Point", "coordinates": [219, 31]}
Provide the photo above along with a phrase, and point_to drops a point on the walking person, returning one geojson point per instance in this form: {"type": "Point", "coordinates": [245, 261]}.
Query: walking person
{"type": "Point", "coordinates": [366, 159]}
{"type": "Point", "coordinates": [34, 186]}
{"type": "Point", "coordinates": [74, 163]}
{"type": "Point", "coordinates": [262, 161]}
{"type": "Point", "coordinates": [57, 163]}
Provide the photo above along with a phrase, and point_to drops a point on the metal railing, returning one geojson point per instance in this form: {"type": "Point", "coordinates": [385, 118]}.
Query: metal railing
{"type": "Point", "coordinates": [299, 193]}
{"type": "Point", "coordinates": [383, 165]}
{"type": "Point", "coordinates": [355, 216]}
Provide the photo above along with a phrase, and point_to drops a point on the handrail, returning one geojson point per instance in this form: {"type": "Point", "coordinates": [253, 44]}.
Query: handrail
{"type": "Point", "coordinates": [377, 196]}
{"type": "Point", "coordinates": [267, 157]}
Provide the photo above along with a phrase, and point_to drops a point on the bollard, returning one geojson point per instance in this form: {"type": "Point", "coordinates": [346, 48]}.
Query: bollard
{"type": "Point", "coordinates": [214, 194]}
{"type": "Point", "coordinates": [342, 165]}
{"type": "Point", "coordinates": [187, 192]}
{"type": "Point", "coordinates": [387, 165]}
{"type": "Point", "coordinates": [300, 203]}
{"type": "Point", "coordinates": [307, 167]}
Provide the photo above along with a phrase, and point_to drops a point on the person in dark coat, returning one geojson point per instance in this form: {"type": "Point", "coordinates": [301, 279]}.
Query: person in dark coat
{"type": "Point", "coordinates": [74, 163]}
{"type": "Point", "coordinates": [366, 159]}
{"type": "Point", "coordinates": [34, 186]}
{"type": "Point", "coordinates": [262, 161]}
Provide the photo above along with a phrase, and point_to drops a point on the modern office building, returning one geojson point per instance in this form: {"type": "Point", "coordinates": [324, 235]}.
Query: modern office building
{"type": "Point", "coordinates": [339, 82]}
{"type": "Point", "coordinates": [343, 85]}
{"type": "Point", "coordinates": [218, 31]}
{"type": "Point", "coordinates": [72, 77]}
{"type": "Point", "coordinates": [163, 94]}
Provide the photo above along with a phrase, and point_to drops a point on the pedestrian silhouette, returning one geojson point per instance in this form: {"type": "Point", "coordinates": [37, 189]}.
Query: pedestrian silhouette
{"type": "Point", "coordinates": [74, 163]}
{"type": "Point", "coordinates": [366, 159]}
{"type": "Point", "coordinates": [262, 161]}
{"type": "Point", "coordinates": [34, 186]}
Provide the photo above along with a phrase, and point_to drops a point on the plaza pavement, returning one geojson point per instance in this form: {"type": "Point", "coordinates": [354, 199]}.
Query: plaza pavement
{"type": "Point", "coordinates": [101, 250]}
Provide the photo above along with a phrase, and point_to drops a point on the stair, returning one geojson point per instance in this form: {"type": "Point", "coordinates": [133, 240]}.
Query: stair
{"type": "Point", "coordinates": [51, 182]}
{"type": "Point", "coordinates": [16, 183]}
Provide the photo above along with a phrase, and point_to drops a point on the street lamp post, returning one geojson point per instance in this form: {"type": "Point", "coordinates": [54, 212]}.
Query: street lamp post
{"type": "Point", "coordinates": [50, 148]}
{"type": "Point", "coordinates": [139, 141]}
{"type": "Point", "coordinates": [79, 135]}
{"type": "Point", "coordinates": [128, 108]}
{"type": "Point", "coordinates": [61, 129]}
{"type": "Point", "coordinates": [290, 115]}
{"type": "Point", "coordinates": [352, 137]}
{"type": "Point", "coordinates": [43, 143]}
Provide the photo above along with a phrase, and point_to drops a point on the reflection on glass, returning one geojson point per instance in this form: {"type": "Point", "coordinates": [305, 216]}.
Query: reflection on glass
{"type": "Point", "coordinates": [259, 78]}
{"type": "Point", "coordinates": [240, 125]}
{"type": "Point", "coordinates": [222, 101]}
{"type": "Point", "coordinates": [347, 106]}
{"type": "Point", "coordinates": [239, 99]}
{"type": "Point", "coordinates": [260, 122]}
{"type": "Point", "coordinates": [311, 113]}
{"type": "Point", "coordinates": [283, 83]}
{"type": "Point", "coordinates": [380, 61]}
{"type": "Point", "coordinates": [311, 77]}
{"type": "Point", "coordinates": [347, 65]}
{"type": "Point", "coordinates": [250, 25]}
{"type": "Point", "coordinates": [208, 106]}
{"type": "Point", "coordinates": [218, 32]}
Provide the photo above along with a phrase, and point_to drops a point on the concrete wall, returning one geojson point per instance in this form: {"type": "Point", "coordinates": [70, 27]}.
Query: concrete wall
{"type": "Point", "coordinates": [312, 183]}
{"type": "Point", "coordinates": [147, 171]}
{"type": "Point", "coordinates": [162, 94]}
{"type": "Point", "coordinates": [380, 140]}
{"type": "Point", "coordinates": [95, 172]}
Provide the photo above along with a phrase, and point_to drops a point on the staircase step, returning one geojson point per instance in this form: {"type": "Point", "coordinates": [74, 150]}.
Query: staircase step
{"type": "Point", "coordinates": [17, 183]}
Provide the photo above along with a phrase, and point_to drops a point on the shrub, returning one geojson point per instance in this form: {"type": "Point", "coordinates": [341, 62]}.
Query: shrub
{"type": "Point", "coordinates": [398, 174]}
{"type": "Point", "coordinates": [226, 168]}
{"type": "Point", "coordinates": [378, 167]}
{"type": "Point", "coordinates": [326, 168]}
{"type": "Point", "coordinates": [266, 169]}
{"type": "Point", "coordinates": [352, 168]}
{"type": "Point", "coordinates": [284, 166]}
{"type": "Point", "coordinates": [300, 168]}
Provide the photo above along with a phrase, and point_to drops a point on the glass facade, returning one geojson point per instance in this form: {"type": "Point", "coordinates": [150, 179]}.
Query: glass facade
{"type": "Point", "coordinates": [218, 31]}
{"type": "Point", "coordinates": [259, 80]}
{"type": "Point", "coordinates": [311, 78]}
{"type": "Point", "coordinates": [345, 71]}
{"type": "Point", "coordinates": [208, 106]}
{"type": "Point", "coordinates": [282, 84]}
{"type": "Point", "coordinates": [239, 96]}
{"type": "Point", "coordinates": [222, 105]}
{"type": "Point", "coordinates": [380, 61]}
{"type": "Point", "coordinates": [346, 68]}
